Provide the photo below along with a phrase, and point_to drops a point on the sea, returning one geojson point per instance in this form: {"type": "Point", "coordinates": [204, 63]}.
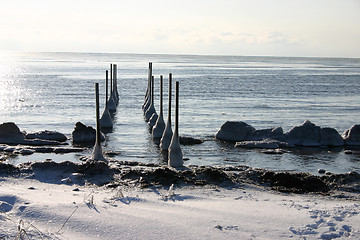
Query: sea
{"type": "Point", "coordinates": [53, 91]}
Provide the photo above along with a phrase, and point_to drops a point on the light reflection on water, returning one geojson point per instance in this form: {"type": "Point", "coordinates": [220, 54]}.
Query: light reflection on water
{"type": "Point", "coordinates": [55, 90]}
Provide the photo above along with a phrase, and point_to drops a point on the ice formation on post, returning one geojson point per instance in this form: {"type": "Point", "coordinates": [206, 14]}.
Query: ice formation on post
{"type": "Point", "coordinates": [97, 150]}
{"type": "Point", "coordinates": [159, 126]}
{"type": "Point", "coordinates": [175, 157]}
{"type": "Point", "coordinates": [105, 121]}
{"type": "Point", "coordinates": [167, 134]}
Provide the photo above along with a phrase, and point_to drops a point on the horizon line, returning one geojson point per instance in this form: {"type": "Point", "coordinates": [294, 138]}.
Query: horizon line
{"type": "Point", "coordinates": [180, 54]}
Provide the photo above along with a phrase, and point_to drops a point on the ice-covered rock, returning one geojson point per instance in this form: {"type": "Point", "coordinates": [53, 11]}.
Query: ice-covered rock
{"type": "Point", "coordinates": [262, 134]}
{"type": "Point", "coordinates": [330, 137]}
{"type": "Point", "coordinates": [266, 143]}
{"type": "Point", "coordinates": [352, 135]}
{"type": "Point", "coordinates": [310, 135]}
{"type": "Point", "coordinates": [11, 134]}
{"type": "Point", "coordinates": [47, 135]}
{"type": "Point", "coordinates": [85, 134]}
{"type": "Point", "coordinates": [307, 134]}
{"type": "Point", "coordinates": [234, 131]}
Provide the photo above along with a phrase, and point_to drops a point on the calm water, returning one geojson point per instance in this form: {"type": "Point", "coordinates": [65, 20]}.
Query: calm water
{"type": "Point", "coordinates": [55, 90]}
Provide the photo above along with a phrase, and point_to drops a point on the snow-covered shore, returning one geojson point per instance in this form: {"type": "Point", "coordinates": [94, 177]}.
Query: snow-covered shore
{"type": "Point", "coordinates": [51, 201]}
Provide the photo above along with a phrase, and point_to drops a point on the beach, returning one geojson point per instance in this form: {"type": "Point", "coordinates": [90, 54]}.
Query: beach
{"type": "Point", "coordinates": [51, 201]}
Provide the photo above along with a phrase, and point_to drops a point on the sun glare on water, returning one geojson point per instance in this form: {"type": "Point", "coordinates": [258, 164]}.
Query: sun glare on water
{"type": "Point", "coordinates": [10, 91]}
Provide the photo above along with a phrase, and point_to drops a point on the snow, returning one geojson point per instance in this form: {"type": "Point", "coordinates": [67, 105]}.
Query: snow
{"type": "Point", "coordinates": [63, 211]}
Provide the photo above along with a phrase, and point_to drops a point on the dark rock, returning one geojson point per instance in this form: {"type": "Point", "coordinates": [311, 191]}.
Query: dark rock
{"type": "Point", "coordinates": [189, 140]}
{"type": "Point", "coordinates": [273, 151]}
{"type": "Point", "coordinates": [47, 135]}
{"type": "Point", "coordinates": [310, 135]}
{"type": "Point", "coordinates": [307, 134]}
{"type": "Point", "coordinates": [66, 166]}
{"type": "Point", "coordinates": [10, 133]}
{"type": "Point", "coordinates": [352, 136]}
{"type": "Point", "coordinates": [84, 134]}
{"type": "Point", "coordinates": [212, 175]}
{"type": "Point", "coordinates": [91, 168]}
{"type": "Point", "coordinates": [330, 137]}
{"type": "Point", "coordinates": [7, 168]}
{"type": "Point", "coordinates": [67, 150]}
{"type": "Point", "coordinates": [295, 182]}
{"type": "Point", "coordinates": [272, 133]}
{"type": "Point", "coordinates": [234, 131]}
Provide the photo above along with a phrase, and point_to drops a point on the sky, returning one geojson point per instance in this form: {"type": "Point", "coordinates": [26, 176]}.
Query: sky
{"type": "Point", "coordinates": [316, 28]}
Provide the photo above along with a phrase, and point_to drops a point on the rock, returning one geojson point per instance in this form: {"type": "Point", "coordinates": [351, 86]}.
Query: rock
{"type": "Point", "coordinates": [66, 180]}
{"type": "Point", "coordinates": [47, 135]}
{"type": "Point", "coordinates": [295, 182]}
{"type": "Point", "coordinates": [352, 136]}
{"type": "Point", "coordinates": [273, 151]}
{"type": "Point", "coordinates": [10, 133]}
{"type": "Point", "coordinates": [84, 134]}
{"type": "Point", "coordinates": [322, 171]}
{"type": "Point", "coordinates": [25, 151]}
{"type": "Point", "coordinates": [271, 133]}
{"type": "Point", "coordinates": [234, 131]}
{"type": "Point", "coordinates": [330, 137]}
{"type": "Point", "coordinates": [10, 149]}
{"type": "Point", "coordinates": [348, 152]}
{"type": "Point", "coordinates": [310, 135]}
{"type": "Point", "coordinates": [307, 134]}
{"type": "Point", "coordinates": [190, 141]}
{"type": "Point", "coordinates": [67, 150]}
{"type": "Point", "coordinates": [267, 143]}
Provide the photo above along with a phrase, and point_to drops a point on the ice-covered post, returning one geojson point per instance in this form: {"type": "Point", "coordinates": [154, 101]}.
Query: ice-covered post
{"type": "Point", "coordinates": [149, 78]}
{"type": "Point", "coordinates": [105, 120]}
{"type": "Point", "coordinates": [115, 93]}
{"type": "Point", "coordinates": [159, 126]}
{"type": "Point", "coordinates": [111, 78]}
{"type": "Point", "coordinates": [167, 134]}
{"type": "Point", "coordinates": [147, 95]}
{"type": "Point", "coordinates": [151, 109]}
{"type": "Point", "coordinates": [106, 82]}
{"type": "Point", "coordinates": [175, 158]}
{"type": "Point", "coordinates": [111, 102]}
{"type": "Point", "coordinates": [97, 151]}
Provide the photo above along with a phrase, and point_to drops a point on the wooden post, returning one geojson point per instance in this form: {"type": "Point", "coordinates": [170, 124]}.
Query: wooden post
{"type": "Point", "coordinates": [148, 90]}
{"type": "Point", "coordinates": [177, 108]}
{"type": "Point", "coordinates": [97, 150]}
{"type": "Point", "coordinates": [159, 126]}
{"type": "Point", "coordinates": [97, 113]}
{"type": "Point", "coordinates": [168, 133]}
{"type": "Point", "coordinates": [152, 89]}
{"type": "Point", "coordinates": [149, 76]}
{"type": "Point", "coordinates": [107, 82]}
{"type": "Point", "coordinates": [170, 83]}
{"type": "Point", "coordinates": [161, 94]}
{"type": "Point", "coordinates": [175, 156]}
{"type": "Point", "coordinates": [111, 79]}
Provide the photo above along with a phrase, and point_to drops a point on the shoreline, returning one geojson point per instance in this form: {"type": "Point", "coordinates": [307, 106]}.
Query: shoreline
{"type": "Point", "coordinates": [144, 175]}
{"type": "Point", "coordinates": [135, 200]}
